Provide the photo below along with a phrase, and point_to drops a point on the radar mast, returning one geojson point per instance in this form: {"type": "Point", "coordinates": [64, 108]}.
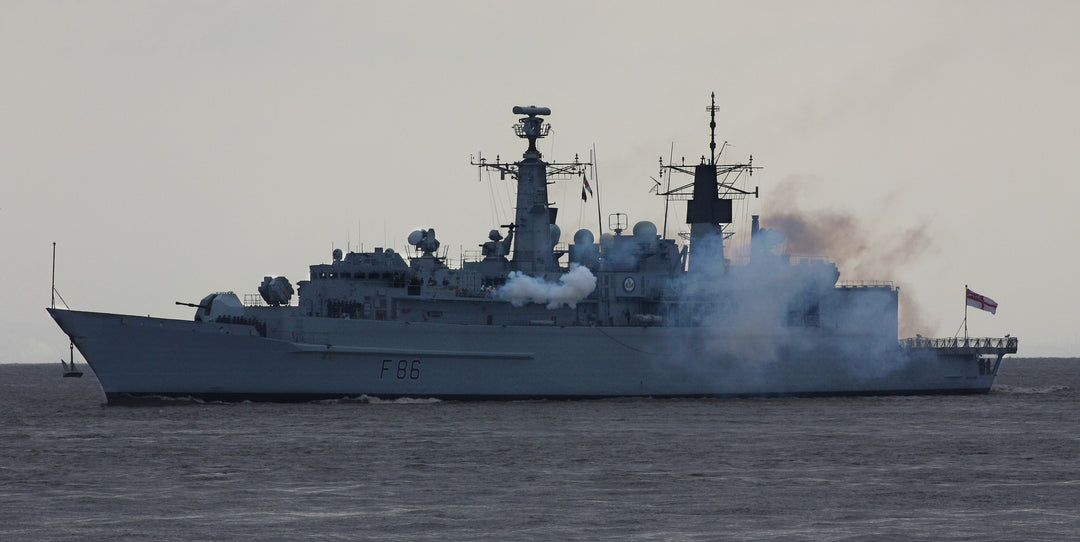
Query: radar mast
{"type": "Point", "coordinates": [708, 197]}
{"type": "Point", "coordinates": [534, 233]}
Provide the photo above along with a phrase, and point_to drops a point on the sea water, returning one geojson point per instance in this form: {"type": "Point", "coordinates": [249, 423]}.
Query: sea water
{"type": "Point", "coordinates": [1001, 466]}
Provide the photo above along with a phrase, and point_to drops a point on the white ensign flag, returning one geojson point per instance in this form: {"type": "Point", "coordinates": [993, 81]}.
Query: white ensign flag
{"type": "Point", "coordinates": [981, 302]}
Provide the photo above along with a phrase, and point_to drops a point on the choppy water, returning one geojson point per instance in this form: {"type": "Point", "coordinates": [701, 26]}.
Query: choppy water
{"type": "Point", "coordinates": [1004, 466]}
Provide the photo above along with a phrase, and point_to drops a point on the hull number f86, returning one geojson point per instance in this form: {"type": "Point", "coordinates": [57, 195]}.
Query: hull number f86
{"type": "Point", "coordinates": [401, 369]}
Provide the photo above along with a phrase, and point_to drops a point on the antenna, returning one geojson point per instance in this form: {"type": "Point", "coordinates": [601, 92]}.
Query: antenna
{"type": "Point", "coordinates": [532, 248]}
{"type": "Point", "coordinates": [712, 129]}
{"type": "Point", "coordinates": [617, 222]}
{"type": "Point", "coordinates": [531, 127]}
{"type": "Point", "coordinates": [667, 200]}
{"type": "Point", "coordinates": [52, 302]}
{"type": "Point", "coordinates": [596, 179]}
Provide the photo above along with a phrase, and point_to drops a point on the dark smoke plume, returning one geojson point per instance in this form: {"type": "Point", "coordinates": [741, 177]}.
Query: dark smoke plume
{"type": "Point", "coordinates": [861, 252]}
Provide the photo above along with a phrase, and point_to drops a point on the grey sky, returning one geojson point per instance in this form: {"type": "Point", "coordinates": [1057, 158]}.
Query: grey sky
{"type": "Point", "coordinates": [172, 149]}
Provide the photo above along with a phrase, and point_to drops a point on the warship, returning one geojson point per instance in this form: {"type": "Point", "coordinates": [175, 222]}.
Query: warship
{"type": "Point", "coordinates": [620, 314]}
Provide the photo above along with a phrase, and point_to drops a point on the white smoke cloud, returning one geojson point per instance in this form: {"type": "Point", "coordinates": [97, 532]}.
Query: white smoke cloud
{"type": "Point", "coordinates": [569, 290]}
{"type": "Point", "coordinates": [778, 324]}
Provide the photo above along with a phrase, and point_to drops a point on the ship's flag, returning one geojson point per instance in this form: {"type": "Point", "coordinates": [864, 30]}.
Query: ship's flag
{"type": "Point", "coordinates": [981, 302]}
{"type": "Point", "coordinates": [585, 181]}
{"type": "Point", "coordinates": [583, 197]}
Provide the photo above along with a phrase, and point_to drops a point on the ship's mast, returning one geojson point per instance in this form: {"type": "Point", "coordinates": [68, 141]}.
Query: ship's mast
{"type": "Point", "coordinates": [533, 244]}
{"type": "Point", "coordinates": [712, 129]}
{"type": "Point", "coordinates": [708, 198]}
{"type": "Point", "coordinates": [534, 217]}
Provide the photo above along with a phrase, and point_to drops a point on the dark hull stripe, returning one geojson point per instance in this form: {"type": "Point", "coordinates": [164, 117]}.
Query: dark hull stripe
{"type": "Point", "coordinates": [181, 398]}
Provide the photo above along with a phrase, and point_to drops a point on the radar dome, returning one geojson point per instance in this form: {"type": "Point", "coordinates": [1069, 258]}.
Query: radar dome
{"type": "Point", "coordinates": [415, 237]}
{"type": "Point", "coordinates": [583, 237]}
{"type": "Point", "coordinates": [556, 233]}
{"type": "Point", "coordinates": [337, 254]}
{"type": "Point", "coordinates": [645, 231]}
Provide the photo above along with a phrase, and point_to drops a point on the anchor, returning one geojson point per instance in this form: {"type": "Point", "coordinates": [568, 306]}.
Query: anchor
{"type": "Point", "coordinates": [69, 370]}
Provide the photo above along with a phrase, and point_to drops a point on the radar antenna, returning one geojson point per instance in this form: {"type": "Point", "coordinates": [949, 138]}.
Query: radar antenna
{"type": "Point", "coordinates": [535, 215]}
{"type": "Point", "coordinates": [531, 127]}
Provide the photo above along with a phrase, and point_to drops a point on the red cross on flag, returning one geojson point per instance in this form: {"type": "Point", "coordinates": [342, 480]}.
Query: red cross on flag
{"type": "Point", "coordinates": [981, 302]}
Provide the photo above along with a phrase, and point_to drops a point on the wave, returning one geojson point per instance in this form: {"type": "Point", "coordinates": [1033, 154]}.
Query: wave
{"type": "Point", "coordinates": [1030, 390]}
{"type": "Point", "coordinates": [366, 399]}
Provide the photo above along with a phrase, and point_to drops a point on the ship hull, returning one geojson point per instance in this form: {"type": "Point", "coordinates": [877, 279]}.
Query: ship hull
{"type": "Point", "coordinates": [306, 358]}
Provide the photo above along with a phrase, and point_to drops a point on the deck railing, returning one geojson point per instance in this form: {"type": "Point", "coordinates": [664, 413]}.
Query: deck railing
{"type": "Point", "coordinates": [1005, 344]}
{"type": "Point", "coordinates": [254, 300]}
{"type": "Point", "coordinates": [866, 284]}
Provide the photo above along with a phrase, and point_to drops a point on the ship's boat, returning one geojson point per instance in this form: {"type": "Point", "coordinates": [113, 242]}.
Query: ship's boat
{"type": "Point", "coordinates": [628, 313]}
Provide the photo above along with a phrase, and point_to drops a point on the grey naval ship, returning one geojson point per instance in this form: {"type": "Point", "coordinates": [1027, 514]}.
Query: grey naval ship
{"type": "Point", "coordinates": [623, 313]}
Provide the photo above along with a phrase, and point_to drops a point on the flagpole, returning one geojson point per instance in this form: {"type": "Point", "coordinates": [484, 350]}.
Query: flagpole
{"type": "Point", "coordinates": [52, 303]}
{"type": "Point", "coordinates": [965, 313]}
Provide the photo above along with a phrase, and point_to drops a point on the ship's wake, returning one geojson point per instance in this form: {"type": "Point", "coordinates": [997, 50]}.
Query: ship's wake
{"type": "Point", "coordinates": [1029, 390]}
{"type": "Point", "coordinates": [367, 399]}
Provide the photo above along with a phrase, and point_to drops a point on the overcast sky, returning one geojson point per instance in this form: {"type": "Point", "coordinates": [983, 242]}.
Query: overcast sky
{"type": "Point", "coordinates": [172, 149]}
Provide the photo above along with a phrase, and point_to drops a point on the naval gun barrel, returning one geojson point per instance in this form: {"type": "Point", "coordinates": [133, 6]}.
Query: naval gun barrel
{"type": "Point", "coordinates": [195, 305]}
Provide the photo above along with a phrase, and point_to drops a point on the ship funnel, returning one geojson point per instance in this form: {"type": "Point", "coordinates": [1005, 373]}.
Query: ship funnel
{"type": "Point", "coordinates": [755, 243]}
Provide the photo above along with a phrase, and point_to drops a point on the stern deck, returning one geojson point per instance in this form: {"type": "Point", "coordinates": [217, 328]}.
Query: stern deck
{"type": "Point", "coordinates": [978, 346]}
